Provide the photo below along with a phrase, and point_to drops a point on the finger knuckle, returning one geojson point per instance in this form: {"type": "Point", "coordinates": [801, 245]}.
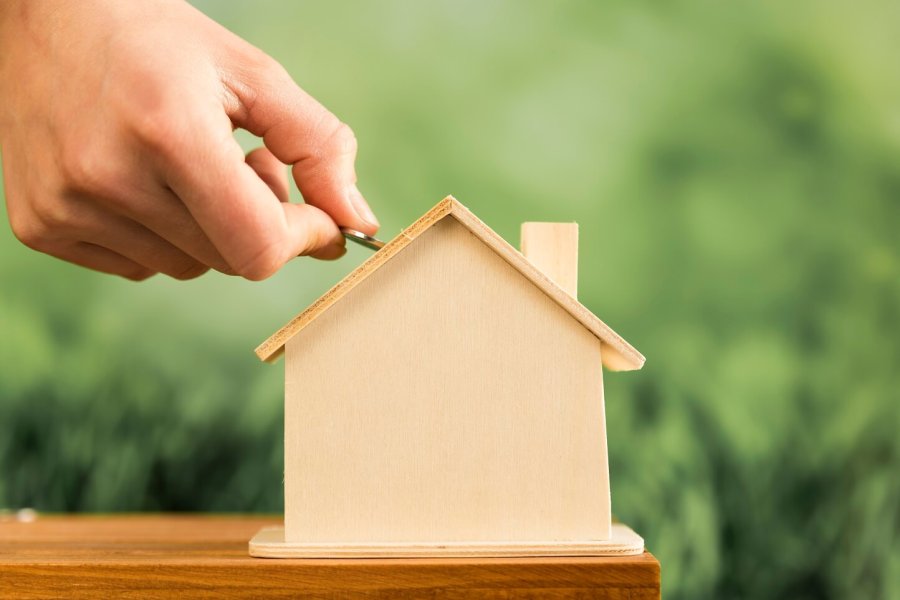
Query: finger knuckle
{"type": "Point", "coordinates": [49, 217]}
{"type": "Point", "coordinates": [158, 129]}
{"type": "Point", "coordinates": [82, 171]}
{"type": "Point", "coordinates": [344, 139]}
{"type": "Point", "coordinates": [57, 215]}
{"type": "Point", "coordinates": [157, 132]}
{"type": "Point", "coordinates": [265, 67]}
{"type": "Point", "coordinates": [335, 138]}
{"type": "Point", "coordinates": [29, 230]}
{"type": "Point", "coordinates": [262, 264]}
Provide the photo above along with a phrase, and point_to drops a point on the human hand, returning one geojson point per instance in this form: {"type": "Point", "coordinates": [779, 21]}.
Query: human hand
{"type": "Point", "coordinates": [116, 132]}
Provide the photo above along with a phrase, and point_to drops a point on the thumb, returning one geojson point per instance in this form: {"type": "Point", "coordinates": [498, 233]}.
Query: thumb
{"type": "Point", "coordinates": [302, 133]}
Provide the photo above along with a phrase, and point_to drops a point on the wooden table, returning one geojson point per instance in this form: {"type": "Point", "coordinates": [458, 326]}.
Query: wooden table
{"type": "Point", "coordinates": [169, 556]}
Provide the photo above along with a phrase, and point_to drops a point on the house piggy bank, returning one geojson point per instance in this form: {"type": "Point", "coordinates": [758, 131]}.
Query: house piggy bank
{"type": "Point", "coordinates": [446, 399]}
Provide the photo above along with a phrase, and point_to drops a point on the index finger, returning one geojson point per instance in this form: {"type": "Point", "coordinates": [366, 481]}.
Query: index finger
{"type": "Point", "coordinates": [301, 132]}
{"type": "Point", "coordinates": [254, 232]}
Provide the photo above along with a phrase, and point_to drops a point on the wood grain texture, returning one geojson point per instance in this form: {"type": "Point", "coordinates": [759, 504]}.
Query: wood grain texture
{"type": "Point", "coordinates": [446, 400]}
{"type": "Point", "coordinates": [553, 249]}
{"type": "Point", "coordinates": [206, 557]}
{"type": "Point", "coordinates": [618, 354]}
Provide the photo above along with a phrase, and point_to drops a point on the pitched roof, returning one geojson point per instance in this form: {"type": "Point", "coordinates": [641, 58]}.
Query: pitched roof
{"type": "Point", "coordinates": [617, 354]}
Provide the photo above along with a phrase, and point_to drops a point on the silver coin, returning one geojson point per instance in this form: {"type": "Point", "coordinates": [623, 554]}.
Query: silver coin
{"type": "Point", "coordinates": [362, 239]}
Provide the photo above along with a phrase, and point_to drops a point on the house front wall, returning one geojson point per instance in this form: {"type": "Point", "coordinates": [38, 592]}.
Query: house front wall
{"type": "Point", "coordinates": [446, 398]}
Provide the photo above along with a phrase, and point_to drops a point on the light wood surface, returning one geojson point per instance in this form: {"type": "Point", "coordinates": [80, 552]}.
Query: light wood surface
{"type": "Point", "coordinates": [206, 557]}
{"type": "Point", "coordinates": [553, 248]}
{"type": "Point", "coordinates": [618, 354]}
{"type": "Point", "coordinates": [270, 543]}
{"type": "Point", "coordinates": [447, 399]}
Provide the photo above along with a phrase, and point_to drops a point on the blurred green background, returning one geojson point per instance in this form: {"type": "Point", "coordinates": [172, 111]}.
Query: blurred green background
{"type": "Point", "coordinates": [735, 168]}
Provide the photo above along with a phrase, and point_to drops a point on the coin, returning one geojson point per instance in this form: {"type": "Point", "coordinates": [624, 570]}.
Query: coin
{"type": "Point", "coordinates": [362, 239]}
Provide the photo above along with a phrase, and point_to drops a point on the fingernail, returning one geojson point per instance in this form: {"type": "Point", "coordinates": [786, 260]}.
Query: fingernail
{"type": "Point", "coordinates": [361, 207]}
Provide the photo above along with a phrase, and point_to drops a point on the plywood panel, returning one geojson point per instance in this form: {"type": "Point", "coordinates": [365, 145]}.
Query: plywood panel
{"type": "Point", "coordinates": [446, 398]}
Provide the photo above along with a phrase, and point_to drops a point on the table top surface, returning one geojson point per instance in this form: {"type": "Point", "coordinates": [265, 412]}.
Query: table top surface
{"type": "Point", "coordinates": [199, 552]}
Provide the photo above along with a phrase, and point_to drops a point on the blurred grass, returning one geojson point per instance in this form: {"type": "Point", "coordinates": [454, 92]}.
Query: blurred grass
{"type": "Point", "coordinates": [735, 168]}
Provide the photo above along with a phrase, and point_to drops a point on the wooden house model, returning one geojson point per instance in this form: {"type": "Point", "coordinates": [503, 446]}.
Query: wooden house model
{"type": "Point", "coordinates": [446, 398]}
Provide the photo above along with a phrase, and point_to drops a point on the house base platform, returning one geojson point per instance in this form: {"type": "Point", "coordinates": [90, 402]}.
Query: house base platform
{"type": "Point", "coordinates": [269, 543]}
